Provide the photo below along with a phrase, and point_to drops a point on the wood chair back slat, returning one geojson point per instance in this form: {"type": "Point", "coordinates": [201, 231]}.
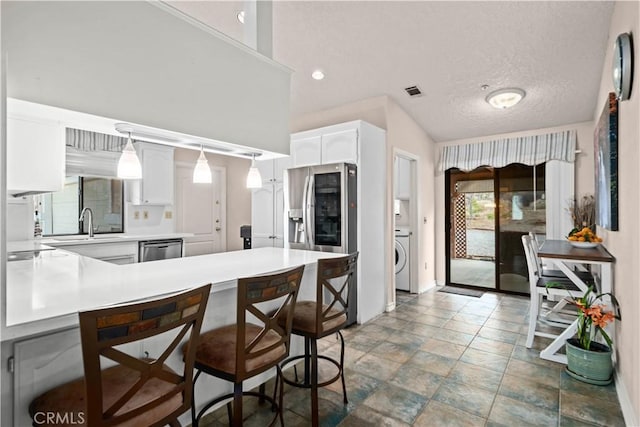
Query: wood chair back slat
{"type": "Point", "coordinates": [252, 293]}
{"type": "Point", "coordinates": [102, 330]}
{"type": "Point", "coordinates": [335, 280]}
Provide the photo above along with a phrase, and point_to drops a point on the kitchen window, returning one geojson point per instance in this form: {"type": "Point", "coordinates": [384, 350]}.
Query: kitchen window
{"type": "Point", "coordinates": [59, 212]}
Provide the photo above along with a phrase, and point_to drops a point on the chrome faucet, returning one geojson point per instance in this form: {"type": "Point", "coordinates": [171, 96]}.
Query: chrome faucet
{"type": "Point", "coordinates": [90, 225]}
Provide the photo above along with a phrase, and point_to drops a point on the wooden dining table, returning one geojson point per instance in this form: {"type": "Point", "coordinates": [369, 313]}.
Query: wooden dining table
{"type": "Point", "coordinates": [565, 257]}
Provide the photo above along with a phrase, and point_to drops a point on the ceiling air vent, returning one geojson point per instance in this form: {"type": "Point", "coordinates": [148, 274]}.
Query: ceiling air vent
{"type": "Point", "coordinates": [413, 91]}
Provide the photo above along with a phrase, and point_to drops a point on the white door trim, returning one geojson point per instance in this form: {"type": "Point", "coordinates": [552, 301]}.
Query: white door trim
{"type": "Point", "coordinates": [414, 225]}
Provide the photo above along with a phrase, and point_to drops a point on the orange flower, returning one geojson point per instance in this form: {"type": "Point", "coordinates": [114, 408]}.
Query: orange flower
{"type": "Point", "coordinates": [603, 320]}
{"type": "Point", "coordinates": [594, 311]}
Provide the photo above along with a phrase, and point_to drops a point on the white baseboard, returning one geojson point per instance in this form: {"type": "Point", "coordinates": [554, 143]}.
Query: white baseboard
{"type": "Point", "coordinates": [630, 417]}
{"type": "Point", "coordinates": [430, 285]}
{"type": "Point", "coordinates": [390, 307]}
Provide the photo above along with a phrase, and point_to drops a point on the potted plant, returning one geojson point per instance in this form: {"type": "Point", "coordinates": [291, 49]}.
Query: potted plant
{"type": "Point", "coordinates": [587, 359]}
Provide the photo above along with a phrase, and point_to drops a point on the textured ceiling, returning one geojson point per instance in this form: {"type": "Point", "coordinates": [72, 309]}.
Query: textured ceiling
{"type": "Point", "coordinates": [552, 50]}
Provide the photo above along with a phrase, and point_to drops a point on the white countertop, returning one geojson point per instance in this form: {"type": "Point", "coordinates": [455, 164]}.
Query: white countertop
{"type": "Point", "coordinates": [46, 292]}
{"type": "Point", "coordinates": [27, 246]}
{"type": "Point", "coordinates": [108, 238]}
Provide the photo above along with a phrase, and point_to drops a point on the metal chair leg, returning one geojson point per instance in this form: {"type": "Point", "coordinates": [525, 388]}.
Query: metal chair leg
{"type": "Point", "coordinates": [280, 400]}
{"type": "Point", "coordinates": [344, 386]}
{"type": "Point", "coordinates": [314, 383]}
{"type": "Point", "coordinates": [307, 368]}
{"type": "Point", "coordinates": [194, 420]}
{"type": "Point", "coordinates": [237, 404]}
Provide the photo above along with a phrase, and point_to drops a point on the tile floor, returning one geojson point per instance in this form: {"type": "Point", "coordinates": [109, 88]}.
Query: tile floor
{"type": "Point", "coordinates": [446, 360]}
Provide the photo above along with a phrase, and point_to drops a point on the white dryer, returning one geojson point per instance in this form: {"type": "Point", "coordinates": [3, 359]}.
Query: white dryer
{"type": "Point", "coordinates": [403, 257]}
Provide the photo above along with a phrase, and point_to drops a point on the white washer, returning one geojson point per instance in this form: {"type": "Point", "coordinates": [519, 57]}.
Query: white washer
{"type": "Point", "coordinates": [403, 257]}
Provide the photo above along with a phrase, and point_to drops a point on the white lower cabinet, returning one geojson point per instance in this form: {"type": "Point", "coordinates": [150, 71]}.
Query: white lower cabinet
{"type": "Point", "coordinates": [40, 364]}
{"type": "Point", "coordinates": [45, 362]}
{"type": "Point", "coordinates": [115, 253]}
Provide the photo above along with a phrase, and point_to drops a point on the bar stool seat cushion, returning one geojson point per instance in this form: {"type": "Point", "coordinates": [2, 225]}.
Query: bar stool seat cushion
{"type": "Point", "coordinates": [304, 318]}
{"type": "Point", "coordinates": [70, 398]}
{"type": "Point", "coordinates": [216, 348]}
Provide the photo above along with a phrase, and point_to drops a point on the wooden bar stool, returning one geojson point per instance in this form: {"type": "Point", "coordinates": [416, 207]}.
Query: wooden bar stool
{"type": "Point", "coordinates": [242, 350]}
{"type": "Point", "coordinates": [136, 391]}
{"type": "Point", "coordinates": [326, 315]}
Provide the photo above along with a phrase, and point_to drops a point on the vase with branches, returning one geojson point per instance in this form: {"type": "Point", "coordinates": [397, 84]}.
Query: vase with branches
{"type": "Point", "coordinates": [583, 212]}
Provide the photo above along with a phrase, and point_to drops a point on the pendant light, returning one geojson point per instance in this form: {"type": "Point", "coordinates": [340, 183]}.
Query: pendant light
{"type": "Point", "coordinates": [254, 180]}
{"type": "Point", "coordinates": [202, 172]}
{"type": "Point", "coordinates": [129, 165]}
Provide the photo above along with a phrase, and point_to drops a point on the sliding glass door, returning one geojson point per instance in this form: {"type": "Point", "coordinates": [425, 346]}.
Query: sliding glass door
{"type": "Point", "coordinates": [488, 211]}
{"type": "Point", "coordinates": [472, 229]}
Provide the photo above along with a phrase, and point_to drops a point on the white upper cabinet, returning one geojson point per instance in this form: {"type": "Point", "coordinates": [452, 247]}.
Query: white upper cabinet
{"type": "Point", "coordinates": [336, 146]}
{"type": "Point", "coordinates": [340, 147]}
{"type": "Point", "coordinates": [267, 204]}
{"type": "Point", "coordinates": [266, 170]}
{"type": "Point", "coordinates": [279, 166]}
{"type": "Point", "coordinates": [262, 217]}
{"type": "Point", "coordinates": [35, 155]}
{"type": "Point", "coordinates": [306, 151]}
{"type": "Point", "coordinates": [156, 185]}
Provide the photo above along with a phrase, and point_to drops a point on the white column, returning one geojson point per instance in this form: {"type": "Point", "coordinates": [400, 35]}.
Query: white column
{"type": "Point", "coordinates": [258, 26]}
{"type": "Point", "coordinates": [559, 191]}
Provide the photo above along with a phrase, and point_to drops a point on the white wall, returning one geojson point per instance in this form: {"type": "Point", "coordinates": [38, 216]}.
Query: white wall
{"type": "Point", "coordinates": [583, 167]}
{"type": "Point", "coordinates": [137, 62]}
{"type": "Point", "coordinates": [625, 243]}
{"type": "Point", "coordinates": [405, 134]}
{"type": "Point", "coordinates": [238, 195]}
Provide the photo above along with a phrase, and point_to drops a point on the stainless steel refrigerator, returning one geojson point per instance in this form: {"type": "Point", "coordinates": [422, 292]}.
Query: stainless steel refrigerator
{"type": "Point", "coordinates": [321, 212]}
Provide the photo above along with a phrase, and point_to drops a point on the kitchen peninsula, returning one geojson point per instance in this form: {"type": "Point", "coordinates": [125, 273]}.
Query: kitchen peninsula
{"type": "Point", "coordinates": [40, 340]}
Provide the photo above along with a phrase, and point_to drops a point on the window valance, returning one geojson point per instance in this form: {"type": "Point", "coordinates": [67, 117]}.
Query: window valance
{"type": "Point", "coordinates": [85, 140]}
{"type": "Point", "coordinates": [92, 153]}
{"type": "Point", "coordinates": [528, 150]}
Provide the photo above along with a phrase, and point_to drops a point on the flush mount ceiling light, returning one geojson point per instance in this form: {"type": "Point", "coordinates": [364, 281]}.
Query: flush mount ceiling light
{"type": "Point", "coordinates": [505, 98]}
{"type": "Point", "coordinates": [202, 171]}
{"type": "Point", "coordinates": [240, 16]}
{"type": "Point", "coordinates": [317, 75]}
{"type": "Point", "coordinates": [129, 165]}
{"type": "Point", "coordinates": [254, 180]}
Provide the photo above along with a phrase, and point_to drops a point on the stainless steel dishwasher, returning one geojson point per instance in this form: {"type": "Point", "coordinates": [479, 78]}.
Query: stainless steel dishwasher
{"type": "Point", "coordinates": [154, 250]}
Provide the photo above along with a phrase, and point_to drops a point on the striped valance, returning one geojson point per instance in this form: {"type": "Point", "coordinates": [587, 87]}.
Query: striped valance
{"type": "Point", "coordinates": [528, 150]}
{"type": "Point", "coordinates": [85, 140]}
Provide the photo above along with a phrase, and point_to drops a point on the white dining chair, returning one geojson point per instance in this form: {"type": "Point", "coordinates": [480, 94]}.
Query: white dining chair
{"type": "Point", "coordinates": [548, 272]}
{"type": "Point", "coordinates": [539, 290]}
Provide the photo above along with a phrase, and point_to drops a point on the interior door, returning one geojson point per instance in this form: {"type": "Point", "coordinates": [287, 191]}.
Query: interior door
{"type": "Point", "coordinates": [200, 209]}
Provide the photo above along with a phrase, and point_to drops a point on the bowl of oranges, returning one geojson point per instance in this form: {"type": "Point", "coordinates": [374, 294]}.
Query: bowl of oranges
{"type": "Point", "coordinates": [584, 238]}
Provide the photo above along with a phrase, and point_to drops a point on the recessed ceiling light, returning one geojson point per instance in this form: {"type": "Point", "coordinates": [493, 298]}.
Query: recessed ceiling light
{"type": "Point", "coordinates": [505, 98]}
{"type": "Point", "coordinates": [318, 75]}
{"type": "Point", "coordinates": [241, 16]}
